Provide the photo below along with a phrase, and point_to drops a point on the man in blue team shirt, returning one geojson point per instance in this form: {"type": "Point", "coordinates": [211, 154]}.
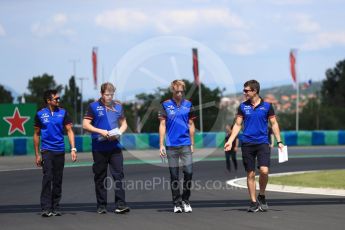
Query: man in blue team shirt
{"type": "Point", "coordinates": [49, 124]}
{"type": "Point", "coordinates": [177, 127]}
{"type": "Point", "coordinates": [254, 113]}
{"type": "Point", "coordinates": [101, 119]}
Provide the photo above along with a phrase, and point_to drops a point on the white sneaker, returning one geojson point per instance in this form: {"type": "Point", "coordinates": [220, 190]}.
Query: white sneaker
{"type": "Point", "coordinates": [177, 209]}
{"type": "Point", "coordinates": [186, 206]}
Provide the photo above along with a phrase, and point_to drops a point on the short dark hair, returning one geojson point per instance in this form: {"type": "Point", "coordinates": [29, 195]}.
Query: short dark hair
{"type": "Point", "coordinates": [253, 84]}
{"type": "Point", "coordinates": [47, 95]}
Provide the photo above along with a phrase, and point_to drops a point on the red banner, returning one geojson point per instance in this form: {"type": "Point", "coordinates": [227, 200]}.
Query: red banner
{"type": "Point", "coordinates": [196, 66]}
{"type": "Point", "coordinates": [94, 65]}
{"type": "Point", "coordinates": [293, 65]}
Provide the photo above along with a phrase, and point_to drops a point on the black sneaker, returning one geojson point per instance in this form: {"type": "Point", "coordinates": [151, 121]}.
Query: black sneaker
{"type": "Point", "coordinates": [262, 203]}
{"type": "Point", "coordinates": [46, 213]}
{"type": "Point", "coordinates": [254, 207]}
{"type": "Point", "coordinates": [121, 208]}
{"type": "Point", "coordinates": [101, 210]}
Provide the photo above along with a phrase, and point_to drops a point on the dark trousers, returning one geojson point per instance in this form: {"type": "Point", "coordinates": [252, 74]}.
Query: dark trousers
{"type": "Point", "coordinates": [101, 160]}
{"type": "Point", "coordinates": [174, 154]}
{"type": "Point", "coordinates": [52, 165]}
{"type": "Point", "coordinates": [232, 155]}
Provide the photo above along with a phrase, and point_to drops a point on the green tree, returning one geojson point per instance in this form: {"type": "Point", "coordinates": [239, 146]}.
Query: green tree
{"type": "Point", "coordinates": [310, 116]}
{"type": "Point", "coordinates": [5, 95]}
{"type": "Point", "coordinates": [332, 90]}
{"type": "Point", "coordinates": [210, 107]}
{"type": "Point", "coordinates": [71, 100]}
{"type": "Point", "coordinates": [147, 106]}
{"type": "Point", "coordinates": [287, 121]}
{"type": "Point", "coordinates": [332, 110]}
{"type": "Point", "coordinates": [37, 85]}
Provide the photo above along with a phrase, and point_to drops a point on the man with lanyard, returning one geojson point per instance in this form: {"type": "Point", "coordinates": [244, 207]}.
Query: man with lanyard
{"type": "Point", "coordinates": [102, 117]}
{"type": "Point", "coordinates": [49, 124]}
{"type": "Point", "coordinates": [255, 114]}
{"type": "Point", "coordinates": [177, 126]}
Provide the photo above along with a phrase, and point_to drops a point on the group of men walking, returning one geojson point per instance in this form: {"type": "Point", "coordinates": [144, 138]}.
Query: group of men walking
{"type": "Point", "coordinates": [106, 122]}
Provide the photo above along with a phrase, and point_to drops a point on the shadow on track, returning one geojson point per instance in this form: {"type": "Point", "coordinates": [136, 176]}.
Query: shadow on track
{"type": "Point", "coordinates": [165, 206]}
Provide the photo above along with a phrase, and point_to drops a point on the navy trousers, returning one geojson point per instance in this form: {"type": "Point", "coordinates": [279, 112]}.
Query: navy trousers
{"type": "Point", "coordinates": [52, 165]}
{"type": "Point", "coordinates": [100, 168]}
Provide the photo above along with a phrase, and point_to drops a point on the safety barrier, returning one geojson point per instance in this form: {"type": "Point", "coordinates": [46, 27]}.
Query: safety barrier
{"type": "Point", "coordinates": [24, 145]}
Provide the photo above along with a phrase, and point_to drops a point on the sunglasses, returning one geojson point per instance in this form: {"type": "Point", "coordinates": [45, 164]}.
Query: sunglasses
{"type": "Point", "coordinates": [247, 90]}
{"type": "Point", "coordinates": [57, 99]}
{"type": "Point", "coordinates": [177, 92]}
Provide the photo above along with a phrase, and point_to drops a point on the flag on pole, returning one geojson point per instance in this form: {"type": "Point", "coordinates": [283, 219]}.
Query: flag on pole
{"type": "Point", "coordinates": [94, 65]}
{"type": "Point", "coordinates": [307, 84]}
{"type": "Point", "coordinates": [293, 53]}
{"type": "Point", "coordinates": [196, 66]}
{"type": "Point", "coordinates": [293, 63]}
{"type": "Point", "coordinates": [197, 82]}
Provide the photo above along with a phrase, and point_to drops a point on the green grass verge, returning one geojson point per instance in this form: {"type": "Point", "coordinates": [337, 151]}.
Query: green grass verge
{"type": "Point", "coordinates": [323, 179]}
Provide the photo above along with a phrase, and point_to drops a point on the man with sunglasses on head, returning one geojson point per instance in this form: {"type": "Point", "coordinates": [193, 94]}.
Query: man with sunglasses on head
{"type": "Point", "coordinates": [177, 128]}
{"type": "Point", "coordinates": [106, 122]}
{"type": "Point", "coordinates": [254, 113]}
{"type": "Point", "coordinates": [50, 123]}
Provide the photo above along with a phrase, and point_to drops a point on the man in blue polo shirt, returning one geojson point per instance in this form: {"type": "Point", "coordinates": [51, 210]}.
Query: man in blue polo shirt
{"type": "Point", "coordinates": [254, 113]}
{"type": "Point", "coordinates": [103, 119]}
{"type": "Point", "coordinates": [49, 124]}
{"type": "Point", "coordinates": [177, 128]}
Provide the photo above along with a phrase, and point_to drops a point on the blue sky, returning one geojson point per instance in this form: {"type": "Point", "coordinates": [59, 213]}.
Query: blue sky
{"type": "Point", "coordinates": [238, 40]}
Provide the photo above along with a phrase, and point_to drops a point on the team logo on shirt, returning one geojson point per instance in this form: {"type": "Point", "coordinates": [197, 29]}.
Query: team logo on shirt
{"type": "Point", "coordinates": [171, 109]}
{"type": "Point", "coordinates": [99, 108]}
{"type": "Point", "coordinates": [45, 117]}
{"type": "Point", "coordinates": [247, 109]}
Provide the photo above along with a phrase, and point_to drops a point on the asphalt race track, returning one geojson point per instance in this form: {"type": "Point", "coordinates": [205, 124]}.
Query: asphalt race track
{"type": "Point", "coordinates": [215, 205]}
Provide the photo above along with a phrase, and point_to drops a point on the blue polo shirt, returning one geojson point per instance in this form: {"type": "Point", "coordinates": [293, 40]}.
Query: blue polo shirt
{"type": "Point", "coordinates": [52, 126]}
{"type": "Point", "coordinates": [104, 117]}
{"type": "Point", "coordinates": [177, 122]}
{"type": "Point", "coordinates": [255, 121]}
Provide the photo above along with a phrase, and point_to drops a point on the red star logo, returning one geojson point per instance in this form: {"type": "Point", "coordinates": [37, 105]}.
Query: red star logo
{"type": "Point", "coordinates": [16, 122]}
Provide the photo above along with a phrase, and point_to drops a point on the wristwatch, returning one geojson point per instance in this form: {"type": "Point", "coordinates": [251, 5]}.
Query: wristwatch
{"type": "Point", "coordinates": [74, 149]}
{"type": "Point", "coordinates": [279, 142]}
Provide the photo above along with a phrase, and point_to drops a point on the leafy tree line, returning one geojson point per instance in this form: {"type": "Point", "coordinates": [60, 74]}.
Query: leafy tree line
{"type": "Point", "coordinates": [326, 112]}
{"type": "Point", "coordinates": [144, 112]}
{"type": "Point", "coordinates": [5, 95]}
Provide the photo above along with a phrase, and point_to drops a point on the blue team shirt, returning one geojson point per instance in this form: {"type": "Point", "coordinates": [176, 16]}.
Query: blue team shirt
{"type": "Point", "coordinates": [104, 117]}
{"type": "Point", "coordinates": [255, 121]}
{"type": "Point", "coordinates": [177, 122]}
{"type": "Point", "coordinates": [52, 125]}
